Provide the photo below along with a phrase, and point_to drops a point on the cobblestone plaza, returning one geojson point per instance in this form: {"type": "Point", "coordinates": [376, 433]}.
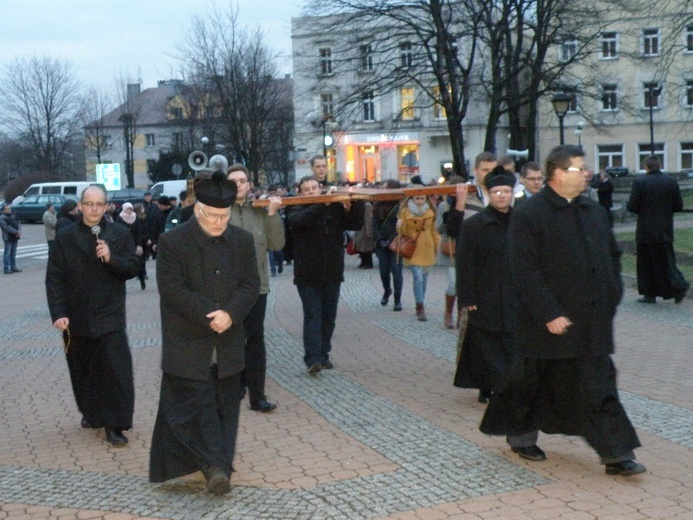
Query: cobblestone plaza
{"type": "Point", "coordinates": [383, 435]}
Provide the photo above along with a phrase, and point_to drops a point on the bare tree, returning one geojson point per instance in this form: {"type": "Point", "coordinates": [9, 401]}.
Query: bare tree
{"type": "Point", "coordinates": [127, 92]}
{"type": "Point", "coordinates": [42, 104]}
{"type": "Point", "coordinates": [97, 105]}
{"type": "Point", "coordinates": [443, 38]}
{"type": "Point", "coordinates": [241, 71]}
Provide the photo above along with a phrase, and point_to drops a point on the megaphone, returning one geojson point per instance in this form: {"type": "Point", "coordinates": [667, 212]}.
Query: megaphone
{"type": "Point", "coordinates": [197, 160]}
{"type": "Point", "coordinates": [218, 162]}
{"type": "Point", "coordinates": [520, 154]}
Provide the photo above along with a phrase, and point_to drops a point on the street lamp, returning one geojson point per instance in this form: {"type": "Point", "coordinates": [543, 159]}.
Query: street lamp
{"type": "Point", "coordinates": [653, 89]}
{"type": "Point", "coordinates": [322, 121]}
{"type": "Point", "coordinates": [561, 104]}
{"type": "Point", "coordinates": [578, 132]}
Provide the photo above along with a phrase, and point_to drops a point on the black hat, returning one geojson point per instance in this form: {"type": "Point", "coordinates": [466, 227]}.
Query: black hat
{"type": "Point", "coordinates": [499, 176]}
{"type": "Point", "coordinates": [147, 193]}
{"type": "Point", "coordinates": [416, 179]}
{"type": "Point", "coordinates": [164, 200]}
{"type": "Point", "coordinates": [217, 191]}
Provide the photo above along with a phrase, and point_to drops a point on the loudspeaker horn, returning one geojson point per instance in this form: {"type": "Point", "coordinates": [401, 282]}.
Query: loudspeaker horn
{"type": "Point", "coordinates": [520, 154]}
{"type": "Point", "coordinates": [197, 160]}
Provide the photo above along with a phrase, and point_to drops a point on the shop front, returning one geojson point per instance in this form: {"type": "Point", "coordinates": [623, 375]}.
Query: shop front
{"type": "Point", "coordinates": [378, 157]}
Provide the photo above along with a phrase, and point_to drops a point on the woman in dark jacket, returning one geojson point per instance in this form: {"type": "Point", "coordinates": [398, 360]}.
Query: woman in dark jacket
{"type": "Point", "coordinates": [128, 218]}
{"type": "Point", "coordinates": [384, 230]}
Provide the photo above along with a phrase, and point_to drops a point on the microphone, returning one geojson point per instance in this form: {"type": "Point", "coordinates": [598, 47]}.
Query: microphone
{"type": "Point", "coordinates": [95, 231]}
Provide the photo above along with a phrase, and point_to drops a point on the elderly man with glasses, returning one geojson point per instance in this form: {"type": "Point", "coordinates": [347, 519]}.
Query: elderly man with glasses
{"type": "Point", "coordinates": [208, 283]}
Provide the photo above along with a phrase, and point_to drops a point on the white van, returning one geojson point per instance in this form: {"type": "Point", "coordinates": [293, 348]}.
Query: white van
{"type": "Point", "coordinates": [72, 189]}
{"type": "Point", "coordinates": [168, 188]}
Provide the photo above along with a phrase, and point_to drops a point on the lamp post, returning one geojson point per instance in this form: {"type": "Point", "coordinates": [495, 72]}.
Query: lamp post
{"type": "Point", "coordinates": [578, 132]}
{"type": "Point", "coordinates": [652, 90]}
{"type": "Point", "coordinates": [561, 105]}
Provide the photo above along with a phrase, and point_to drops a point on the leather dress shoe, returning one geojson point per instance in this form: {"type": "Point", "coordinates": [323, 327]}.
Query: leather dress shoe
{"type": "Point", "coordinates": [680, 296]}
{"type": "Point", "coordinates": [86, 424]}
{"type": "Point", "coordinates": [328, 365]}
{"type": "Point", "coordinates": [116, 438]}
{"type": "Point", "coordinates": [484, 396]}
{"type": "Point", "coordinates": [15, 270]}
{"type": "Point", "coordinates": [625, 468]}
{"type": "Point", "coordinates": [263, 406]}
{"type": "Point", "coordinates": [647, 299]}
{"type": "Point", "coordinates": [314, 368]}
{"type": "Point", "coordinates": [533, 453]}
{"type": "Point", "coordinates": [217, 481]}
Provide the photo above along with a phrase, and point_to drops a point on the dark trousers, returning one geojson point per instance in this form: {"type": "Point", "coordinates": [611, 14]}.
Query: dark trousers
{"type": "Point", "coordinates": [276, 261]}
{"type": "Point", "coordinates": [319, 317]}
{"type": "Point", "coordinates": [253, 377]}
{"type": "Point", "coordinates": [657, 271]}
{"type": "Point", "coordinates": [101, 374]}
{"type": "Point", "coordinates": [196, 426]}
{"type": "Point", "coordinates": [389, 264]}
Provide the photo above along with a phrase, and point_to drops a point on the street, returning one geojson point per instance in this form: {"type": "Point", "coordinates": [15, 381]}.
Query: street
{"type": "Point", "coordinates": [383, 435]}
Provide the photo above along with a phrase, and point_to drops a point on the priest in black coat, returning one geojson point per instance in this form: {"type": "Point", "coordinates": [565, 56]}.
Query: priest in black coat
{"type": "Point", "coordinates": [208, 282]}
{"type": "Point", "coordinates": [566, 264]}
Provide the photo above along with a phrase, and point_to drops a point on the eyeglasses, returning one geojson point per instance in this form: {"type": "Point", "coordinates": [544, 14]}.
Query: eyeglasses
{"type": "Point", "coordinates": [574, 169]}
{"type": "Point", "coordinates": [218, 218]}
{"type": "Point", "coordinates": [97, 205]}
{"type": "Point", "coordinates": [498, 193]}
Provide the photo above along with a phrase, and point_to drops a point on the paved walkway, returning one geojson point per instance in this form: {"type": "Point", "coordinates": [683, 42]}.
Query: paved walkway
{"type": "Point", "coordinates": [383, 435]}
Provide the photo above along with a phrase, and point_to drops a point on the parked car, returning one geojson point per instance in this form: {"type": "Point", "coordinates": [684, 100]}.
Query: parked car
{"type": "Point", "coordinates": [617, 171]}
{"type": "Point", "coordinates": [131, 195]}
{"type": "Point", "coordinates": [32, 208]}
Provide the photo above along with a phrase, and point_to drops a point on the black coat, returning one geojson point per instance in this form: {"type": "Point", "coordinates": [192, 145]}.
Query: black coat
{"type": "Point", "coordinates": [198, 274]}
{"type": "Point", "coordinates": [318, 240]}
{"type": "Point", "coordinates": [655, 198]}
{"type": "Point", "coordinates": [81, 287]}
{"type": "Point", "coordinates": [565, 262]}
{"type": "Point", "coordinates": [483, 271]}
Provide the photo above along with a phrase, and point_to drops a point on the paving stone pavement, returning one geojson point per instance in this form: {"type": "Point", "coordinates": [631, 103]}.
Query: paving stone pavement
{"type": "Point", "coordinates": [383, 435]}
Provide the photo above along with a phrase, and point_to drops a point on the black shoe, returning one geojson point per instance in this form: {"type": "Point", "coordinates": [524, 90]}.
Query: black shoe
{"type": "Point", "coordinates": [116, 438]}
{"type": "Point", "coordinates": [328, 365]}
{"type": "Point", "coordinates": [143, 284]}
{"type": "Point", "coordinates": [314, 368]}
{"type": "Point", "coordinates": [86, 424]}
{"type": "Point", "coordinates": [533, 453]}
{"type": "Point", "coordinates": [217, 481]}
{"type": "Point", "coordinates": [8, 272]}
{"type": "Point", "coordinates": [263, 406]}
{"type": "Point", "coordinates": [484, 397]}
{"type": "Point", "coordinates": [647, 299]}
{"type": "Point", "coordinates": [386, 297]}
{"type": "Point", "coordinates": [626, 468]}
{"type": "Point", "coordinates": [15, 270]}
{"type": "Point", "coordinates": [680, 296]}
{"type": "Point", "coordinates": [397, 307]}
{"type": "Point", "coordinates": [280, 269]}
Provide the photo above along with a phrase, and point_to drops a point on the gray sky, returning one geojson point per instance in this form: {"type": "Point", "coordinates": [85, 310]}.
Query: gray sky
{"type": "Point", "coordinates": [129, 38]}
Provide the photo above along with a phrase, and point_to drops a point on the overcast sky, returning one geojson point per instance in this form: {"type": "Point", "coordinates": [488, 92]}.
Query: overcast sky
{"type": "Point", "coordinates": [128, 38]}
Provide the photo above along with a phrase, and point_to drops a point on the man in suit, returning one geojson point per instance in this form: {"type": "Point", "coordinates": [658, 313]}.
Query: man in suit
{"type": "Point", "coordinates": [532, 181]}
{"type": "Point", "coordinates": [655, 198]}
{"type": "Point", "coordinates": [208, 282]}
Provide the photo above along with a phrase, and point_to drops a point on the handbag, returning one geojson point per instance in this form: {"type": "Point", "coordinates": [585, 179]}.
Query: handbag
{"type": "Point", "coordinates": [403, 245]}
{"type": "Point", "coordinates": [447, 247]}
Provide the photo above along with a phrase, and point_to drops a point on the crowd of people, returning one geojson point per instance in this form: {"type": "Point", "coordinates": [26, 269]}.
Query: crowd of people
{"type": "Point", "coordinates": [530, 260]}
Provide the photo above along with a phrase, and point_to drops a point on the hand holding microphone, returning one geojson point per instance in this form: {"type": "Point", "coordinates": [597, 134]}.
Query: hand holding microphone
{"type": "Point", "coordinates": [102, 250]}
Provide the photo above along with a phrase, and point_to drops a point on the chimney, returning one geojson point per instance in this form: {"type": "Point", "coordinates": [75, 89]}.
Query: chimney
{"type": "Point", "coordinates": [133, 91]}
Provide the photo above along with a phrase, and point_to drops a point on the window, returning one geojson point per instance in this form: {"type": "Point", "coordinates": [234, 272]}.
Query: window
{"type": "Point", "coordinates": [688, 94]}
{"type": "Point", "coordinates": [177, 138]}
{"type": "Point", "coordinates": [651, 94]}
{"type": "Point", "coordinates": [645, 149]}
{"type": "Point", "coordinates": [650, 42]}
{"type": "Point", "coordinates": [407, 109]}
{"type": "Point", "coordinates": [151, 141]}
{"type": "Point", "coordinates": [610, 155]}
{"type": "Point", "coordinates": [438, 108]}
{"type": "Point", "coordinates": [406, 56]}
{"type": "Point", "coordinates": [688, 36]}
{"type": "Point", "coordinates": [609, 97]}
{"type": "Point", "coordinates": [687, 156]}
{"type": "Point", "coordinates": [368, 101]}
{"type": "Point", "coordinates": [366, 58]}
{"type": "Point", "coordinates": [609, 45]}
{"type": "Point", "coordinates": [325, 61]}
{"type": "Point", "coordinates": [569, 48]}
{"type": "Point", "coordinates": [327, 106]}
{"type": "Point", "coordinates": [176, 113]}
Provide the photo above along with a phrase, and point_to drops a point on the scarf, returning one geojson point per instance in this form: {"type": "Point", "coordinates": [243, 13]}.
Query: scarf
{"type": "Point", "coordinates": [417, 211]}
{"type": "Point", "coordinates": [128, 218]}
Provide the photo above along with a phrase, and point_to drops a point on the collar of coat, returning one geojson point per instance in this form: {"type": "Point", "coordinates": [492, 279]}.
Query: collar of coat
{"type": "Point", "coordinates": [202, 238]}
{"type": "Point", "coordinates": [559, 201]}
